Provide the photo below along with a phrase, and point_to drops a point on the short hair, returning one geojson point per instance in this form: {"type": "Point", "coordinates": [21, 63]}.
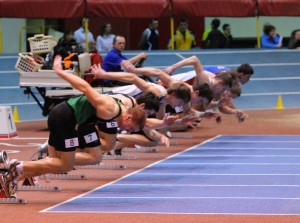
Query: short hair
{"type": "Point", "coordinates": [245, 69]}
{"type": "Point", "coordinates": [204, 91]}
{"type": "Point", "coordinates": [183, 20]}
{"type": "Point", "coordinates": [225, 26]}
{"type": "Point", "coordinates": [226, 77]}
{"type": "Point", "coordinates": [268, 28]}
{"type": "Point", "coordinates": [216, 23]}
{"type": "Point", "coordinates": [115, 38]}
{"type": "Point", "coordinates": [293, 33]}
{"type": "Point", "coordinates": [150, 99]}
{"type": "Point", "coordinates": [152, 20]}
{"type": "Point", "coordinates": [234, 74]}
{"type": "Point", "coordinates": [181, 91]}
{"type": "Point", "coordinates": [103, 28]}
{"type": "Point", "coordinates": [236, 89]}
{"type": "Point", "coordinates": [139, 116]}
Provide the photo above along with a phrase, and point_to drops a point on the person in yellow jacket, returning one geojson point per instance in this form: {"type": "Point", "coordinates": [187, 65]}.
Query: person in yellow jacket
{"type": "Point", "coordinates": [184, 39]}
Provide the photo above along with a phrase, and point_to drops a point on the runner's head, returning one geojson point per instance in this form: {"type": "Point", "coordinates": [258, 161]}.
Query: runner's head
{"type": "Point", "coordinates": [202, 94]}
{"type": "Point", "coordinates": [148, 102]}
{"type": "Point", "coordinates": [132, 120]}
{"type": "Point", "coordinates": [178, 94]}
{"type": "Point", "coordinates": [245, 71]}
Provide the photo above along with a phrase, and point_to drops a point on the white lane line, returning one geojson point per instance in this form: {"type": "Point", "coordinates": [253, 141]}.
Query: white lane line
{"type": "Point", "coordinates": [21, 103]}
{"type": "Point", "coordinates": [270, 94]}
{"type": "Point", "coordinates": [257, 141]}
{"type": "Point", "coordinates": [198, 52]}
{"type": "Point", "coordinates": [26, 138]}
{"type": "Point", "coordinates": [14, 145]}
{"type": "Point", "coordinates": [220, 174]}
{"type": "Point", "coordinates": [9, 57]}
{"type": "Point", "coordinates": [250, 164]}
{"type": "Point", "coordinates": [204, 185]}
{"type": "Point", "coordinates": [239, 148]}
{"type": "Point", "coordinates": [197, 156]}
{"type": "Point", "coordinates": [9, 72]}
{"type": "Point", "coordinates": [12, 151]}
{"type": "Point", "coordinates": [9, 87]}
{"type": "Point", "coordinates": [194, 198]}
{"type": "Point", "coordinates": [180, 56]}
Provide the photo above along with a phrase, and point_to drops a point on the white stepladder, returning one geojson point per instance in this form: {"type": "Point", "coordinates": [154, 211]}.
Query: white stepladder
{"type": "Point", "coordinates": [7, 127]}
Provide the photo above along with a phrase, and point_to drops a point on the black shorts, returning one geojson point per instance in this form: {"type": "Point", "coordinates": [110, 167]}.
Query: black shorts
{"type": "Point", "coordinates": [65, 135]}
{"type": "Point", "coordinates": [141, 132]}
{"type": "Point", "coordinates": [173, 111]}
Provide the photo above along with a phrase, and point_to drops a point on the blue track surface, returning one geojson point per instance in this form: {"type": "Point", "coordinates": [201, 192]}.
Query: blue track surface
{"type": "Point", "coordinates": [276, 73]}
{"type": "Point", "coordinates": [225, 175]}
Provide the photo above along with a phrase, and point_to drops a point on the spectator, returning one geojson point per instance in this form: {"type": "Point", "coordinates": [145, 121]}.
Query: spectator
{"type": "Point", "coordinates": [67, 45]}
{"type": "Point", "coordinates": [149, 38]}
{"type": "Point", "coordinates": [79, 36]}
{"type": "Point", "coordinates": [270, 39]}
{"type": "Point", "coordinates": [215, 38]}
{"type": "Point", "coordinates": [184, 39]}
{"type": "Point", "coordinates": [207, 31]}
{"type": "Point", "coordinates": [294, 42]}
{"type": "Point", "coordinates": [114, 61]}
{"type": "Point", "coordinates": [228, 36]}
{"type": "Point", "coordinates": [104, 41]}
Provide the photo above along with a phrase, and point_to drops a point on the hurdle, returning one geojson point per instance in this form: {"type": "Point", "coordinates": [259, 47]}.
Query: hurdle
{"type": "Point", "coordinates": [102, 166]}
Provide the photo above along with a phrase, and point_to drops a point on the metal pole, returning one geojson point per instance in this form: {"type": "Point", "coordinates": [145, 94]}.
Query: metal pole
{"type": "Point", "coordinates": [171, 25]}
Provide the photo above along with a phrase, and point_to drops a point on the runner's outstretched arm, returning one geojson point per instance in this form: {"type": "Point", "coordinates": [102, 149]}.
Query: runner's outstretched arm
{"type": "Point", "coordinates": [143, 85]}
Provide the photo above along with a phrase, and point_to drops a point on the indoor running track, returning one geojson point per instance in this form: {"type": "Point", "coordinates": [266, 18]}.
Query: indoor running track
{"type": "Point", "coordinates": [224, 175]}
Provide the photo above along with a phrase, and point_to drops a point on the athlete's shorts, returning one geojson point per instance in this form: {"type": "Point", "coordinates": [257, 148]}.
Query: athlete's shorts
{"type": "Point", "coordinates": [65, 135]}
{"type": "Point", "coordinates": [141, 132]}
{"type": "Point", "coordinates": [173, 111]}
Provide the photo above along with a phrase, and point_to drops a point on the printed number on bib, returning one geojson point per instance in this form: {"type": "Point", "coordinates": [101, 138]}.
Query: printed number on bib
{"type": "Point", "coordinates": [91, 137]}
{"type": "Point", "coordinates": [111, 125]}
{"type": "Point", "coordinates": [178, 109]}
{"type": "Point", "coordinates": [69, 143]}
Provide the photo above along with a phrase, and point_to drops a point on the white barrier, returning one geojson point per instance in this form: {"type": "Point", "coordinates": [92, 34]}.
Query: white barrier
{"type": "Point", "coordinates": [7, 126]}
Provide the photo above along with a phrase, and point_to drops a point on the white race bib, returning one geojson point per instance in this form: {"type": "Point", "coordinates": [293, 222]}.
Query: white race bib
{"type": "Point", "coordinates": [91, 137]}
{"type": "Point", "coordinates": [110, 125]}
{"type": "Point", "coordinates": [178, 109]}
{"type": "Point", "coordinates": [71, 142]}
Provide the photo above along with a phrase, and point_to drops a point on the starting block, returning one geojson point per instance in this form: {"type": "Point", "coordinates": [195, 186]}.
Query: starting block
{"type": "Point", "coordinates": [172, 143]}
{"type": "Point", "coordinates": [141, 149]}
{"type": "Point", "coordinates": [38, 188]}
{"type": "Point", "coordinates": [5, 197]}
{"type": "Point", "coordinates": [119, 157]}
{"type": "Point", "coordinates": [12, 201]}
{"type": "Point", "coordinates": [30, 185]}
{"type": "Point", "coordinates": [179, 136]}
{"type": "Point", "coordinates": [8, 126]}
{"type": "Point", "coordinates": [103, 167]}
{"type": "Point", "coordinates": [66, 177]}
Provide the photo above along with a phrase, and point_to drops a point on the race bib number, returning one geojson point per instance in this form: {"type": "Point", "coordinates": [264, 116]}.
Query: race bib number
{"type": "Point", "coordinates": [69, 143]}
{"type": "Point", "coordinates": [110, 125]}
{"type": "Point", "coordinates": [178, 109]}
{"type": "Point", "coordinates": [91, 137]}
